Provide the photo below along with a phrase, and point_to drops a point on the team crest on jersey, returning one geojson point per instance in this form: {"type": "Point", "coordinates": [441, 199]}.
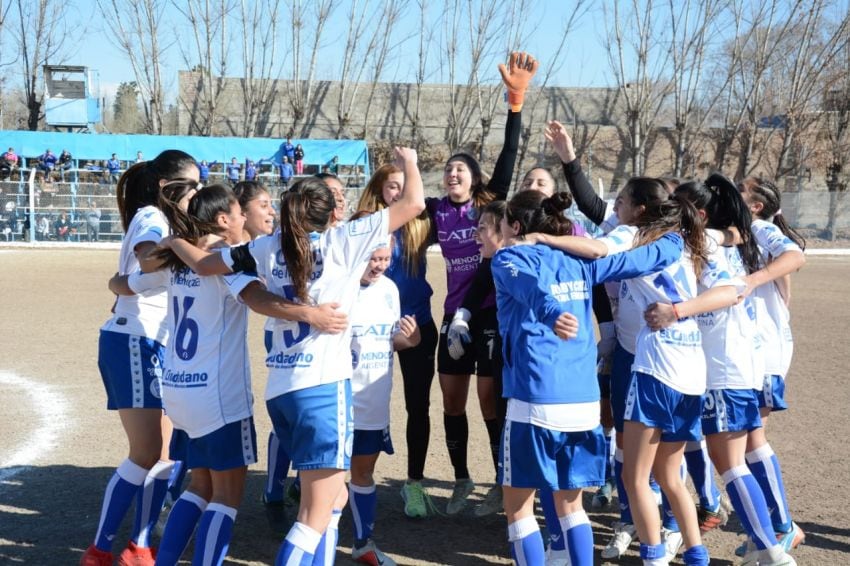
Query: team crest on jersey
{"type": "Point", "coordinates": [472, 213]}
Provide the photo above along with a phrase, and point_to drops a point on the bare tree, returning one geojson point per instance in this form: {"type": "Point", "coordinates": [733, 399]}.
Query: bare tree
{"type": "Point", "coordinates": [836, 126]}
{"type": "Point", "coordinates": [259, 30]}
{"type": "Point", "coordinates": [135, 28]}
{"type": "Point", "coordinates": [386, 45]}
{"type": "Point", "coordinates": [690, 25]}
{"type": "Point", "coordinates": [207, 55]}
{"type": "Point", "coordinates": [639, 63]}
{"type": "Point", "coordinates": [302, 89]}
{"type": "Point", "coordinates": [551, 66]}
{"type": "Point", "coordinates": [40, 35]}
{"type": "Point", "coordinates": [798, 81]}
{"type": "Point", "coordinates": [425, 36]}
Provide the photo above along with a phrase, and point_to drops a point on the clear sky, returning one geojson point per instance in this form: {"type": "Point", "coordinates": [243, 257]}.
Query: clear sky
{"type": "Point", "coordinates": [584, 62]}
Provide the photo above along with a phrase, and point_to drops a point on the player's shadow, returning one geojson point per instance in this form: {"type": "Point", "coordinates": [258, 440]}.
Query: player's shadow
{"type": "Point", "coordinates": [826, 536]}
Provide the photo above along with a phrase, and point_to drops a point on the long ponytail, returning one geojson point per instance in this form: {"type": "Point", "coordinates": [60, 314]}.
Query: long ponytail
{"type": "Point", "coordinates": [305, 208]}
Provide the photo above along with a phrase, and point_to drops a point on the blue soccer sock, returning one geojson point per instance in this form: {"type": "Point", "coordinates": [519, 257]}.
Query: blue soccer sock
{"type": "Point", "coordinates": [182, 520]}
{"type": "Point", "coordinates": [278, 469]}
{"type": "Point", "coordinates": [364, 503]}
{"type": "Point", "coordinates": [702, 473]}
{"type": "Point", "coordinates": [653, 485]}
{"type": "Point", "coordinates": [214, 534]}
{"type": "Point", "coordinates": [326, 550]}
{"type": "Point", "coordinates": [120, 491]}
{"type": "Point", "coordinates": [653, 555]}
{"type": "Point", "coordinates": [149, 502]}
{"type": "Point", "coordinates": [175, 480]}
{"type": "Point", "coordinates": [622, 496]}
{"type": "Point", "coordinates": [579, 538]}
{"type": "Point", "coordinates": [298, 547]}
{"type": "Point", "coordinates": [550, 516]}
{"type": "Point", "coordinates": [749, 503]}
{"type": "Point", "coordinates": [764, 466]}
{"type": "Point", "coordinates": [610, 447]}
{"type": "Point", "coordinates": [526, 542]}
{"type": "Point", "coordinates": [668, 519]}
{"type": "Point", "coordinates": [696, 556]}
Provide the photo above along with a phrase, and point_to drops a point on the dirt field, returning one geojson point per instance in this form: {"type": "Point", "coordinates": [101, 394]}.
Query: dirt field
{"type": "Point", "coordinates": [59, 445]}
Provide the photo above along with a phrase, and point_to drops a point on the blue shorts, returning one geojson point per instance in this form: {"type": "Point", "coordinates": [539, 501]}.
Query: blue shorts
{"type": "Point", "coordinates": [772, 395]}
{"type": "Point", "coordinates": [730, 410]}
{"type": "Point", "coordinates": [659, 406]}
{"type": "Point", "coordinates": [131, 368]}
{"type": "Point", "coordinates": [621, 375]}
{"type": "Point", "coordinates": [316, 425]}
{"type": "Point", "coordinates": [232, 446]}
{"type": "Point", "coordinates": [368, 442]}
{"type": "Point", "coordinates": [178, 447]}
{"type": "Point", "coordinates": [532, 456]}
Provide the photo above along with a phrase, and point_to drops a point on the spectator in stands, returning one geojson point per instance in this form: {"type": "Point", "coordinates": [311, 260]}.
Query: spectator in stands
{"type": "Point", "coordinates": [139, 157]}
{"type": "Point", "coordinates": [204, 169]}
{"type": "Point", "coordinates": [113, 166]}
{"type": "Point", "coordinates": [46, 164]}
{"type": "Point", "coordinates": [62, 227]}
{"type": "Point", "coordinates": [8, 163]}
{"type": "Point", "coordinates": [66, 162]}
{"type": "Point", "coordinates": [333, 165]}
{"type": "Point", "coordinates": [234, 168]}
{"type": "Point", "coordinates": [93, 222]}
{"type": "Point", "coordinates": [10, 157]}
{"type": "Point", "coordinates": [289, 151]}
{"type": "Point", "coordinates": [299, 160]}
{"type": "Point", "coordinates": [42, 227]}
{"type": "Point", "coordinates": [250, 171]}
{"type": "Point", "coordinates": [286, 172]}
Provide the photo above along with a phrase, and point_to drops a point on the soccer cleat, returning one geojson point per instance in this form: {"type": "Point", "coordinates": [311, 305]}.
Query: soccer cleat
{"type": "Point", "coordinates": [672, 542]}
{"type": "Point", "coordinates": [603, 496]}
{"type": "Point", "coordinates": [416, 500]}
{"type": "Point", "coordinates": [93, 556]}
{"type": "Point", "coordinates": [792, 539]}
{"type": "Point", "coordinates": [763, 558]}
{"type": "Point", "coordinates": [709, 520]}
{"type": "Point", "coordinates": [275, 515]}
{"type": "Point", "coordinates": [369, 554]}
{"type": "Point", "coordinates": [137, 556]}
{"type": "Point", "coordinates": [491, 504]}
{"type": "Point", "coordinates": [457, 502]}
{"type": "Point", "coordinates": [557, 557]}
{"type": "Point", "coordinates": [624, 534]}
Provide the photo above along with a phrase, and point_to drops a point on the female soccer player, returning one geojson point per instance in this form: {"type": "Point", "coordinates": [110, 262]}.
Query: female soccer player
{"type": "Point", "coordinates": [454, 217]}
{"type": "Point", "coordinates": [407, 270]}
{"type": "Point", "coordinates": [130, 353]}
{"type": "Point", "coordinates": [729, 338]}
{"type": "Point", "coordinates": [781, 254]}
{"type": "Point", "coordinates": [552, 438]}
{"type": "Point", "coordinates": [378, 328]}
{"type": "Point", "coordinates": [309, 391]}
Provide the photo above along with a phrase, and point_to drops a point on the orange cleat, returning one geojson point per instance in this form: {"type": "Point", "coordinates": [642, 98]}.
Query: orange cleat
{"type": "Point", "coordinates": [93, 556]}
{"type": "Point", "coordinates": [137, 556]}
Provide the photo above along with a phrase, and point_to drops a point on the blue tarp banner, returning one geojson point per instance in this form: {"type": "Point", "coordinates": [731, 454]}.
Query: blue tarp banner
{"type": "Point", "coordinates": [102, 146]}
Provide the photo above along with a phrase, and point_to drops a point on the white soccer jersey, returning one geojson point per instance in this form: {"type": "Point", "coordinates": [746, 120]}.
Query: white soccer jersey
{"type": "Point", "coordinates": [374, 322]}
{"type": "Point", "coordinates": [206, 382]}
{"type": "Point", "coordinates": [772, 314]}
{"type": "Point", "coordinates": [627, 315]}
{"type": "Point", "coordinates": [674, 354]}
{"type": "Point", "coordinates": [730, 339]}
{"type": "Point", "coordinates": [141, 315]}
{"type": "Point", "coordinates": [301, 356]}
